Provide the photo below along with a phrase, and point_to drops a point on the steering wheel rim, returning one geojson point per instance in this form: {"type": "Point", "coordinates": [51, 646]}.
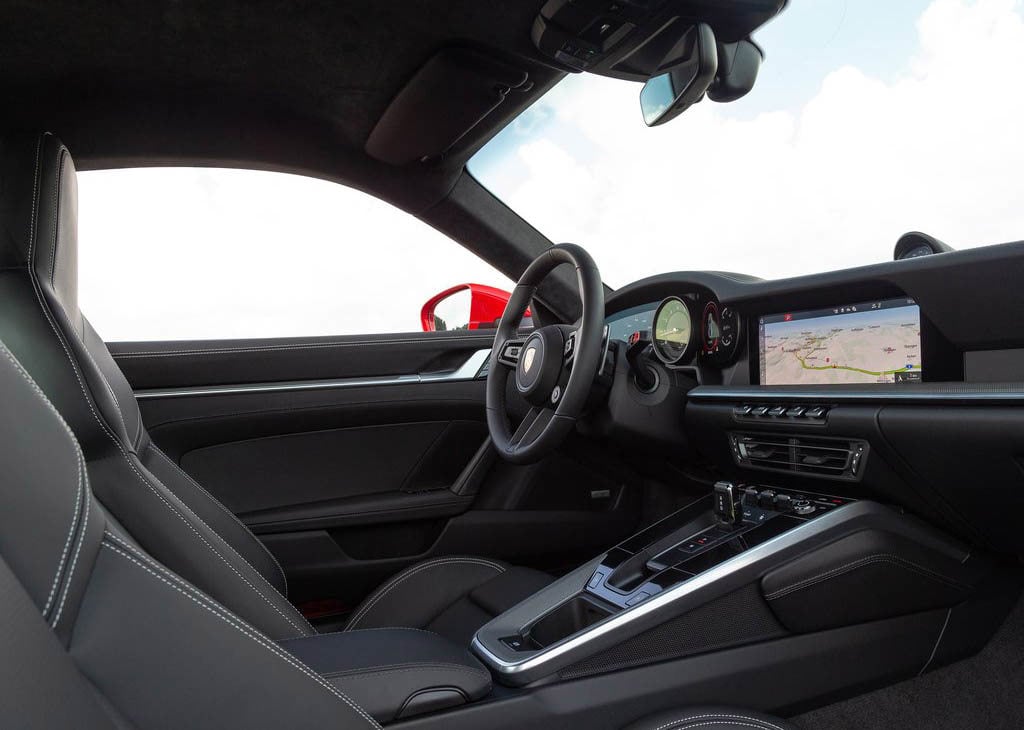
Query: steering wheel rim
{"type": "Point", "coordinates": [554, 408]}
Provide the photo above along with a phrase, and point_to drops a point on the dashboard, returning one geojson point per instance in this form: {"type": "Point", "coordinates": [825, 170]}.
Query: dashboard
{"type": "Point", "coordinates": [838, 377]}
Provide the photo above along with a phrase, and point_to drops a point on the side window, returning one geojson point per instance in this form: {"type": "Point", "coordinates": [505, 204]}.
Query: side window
{"type": "Point", "coordinates": [208, 253]}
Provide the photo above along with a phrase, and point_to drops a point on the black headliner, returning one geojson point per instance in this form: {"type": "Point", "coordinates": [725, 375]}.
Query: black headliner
{"type": "Point", "coordinates": [293, 86]}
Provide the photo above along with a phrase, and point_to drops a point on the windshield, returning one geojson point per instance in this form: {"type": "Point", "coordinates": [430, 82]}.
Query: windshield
{"type": "Point", "coordinates": [870, 118]}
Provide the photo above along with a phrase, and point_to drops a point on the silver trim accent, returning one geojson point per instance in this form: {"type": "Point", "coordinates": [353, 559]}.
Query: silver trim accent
{"type": "Point", "coordinates": [910, 394]}
{"type": "Point", "coordinates": [549, 655]}
{"type": "Point", "coordinates": [469, 370]}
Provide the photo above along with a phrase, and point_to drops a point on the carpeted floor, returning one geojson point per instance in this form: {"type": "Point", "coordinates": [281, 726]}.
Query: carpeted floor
{"type": "Point", "coordinates": [985, 691]}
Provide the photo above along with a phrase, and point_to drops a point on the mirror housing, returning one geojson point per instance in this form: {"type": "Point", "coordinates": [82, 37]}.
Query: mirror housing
{"type": "Point", "coordinates": [694, 61]}
{"type": "Point", "coordinates": [486, 305]}
{"type": "Point", "coordinates": [738, 64]}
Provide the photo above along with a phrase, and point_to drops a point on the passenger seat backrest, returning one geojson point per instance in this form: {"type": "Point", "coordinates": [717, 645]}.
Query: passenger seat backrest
{"type": "Point", "coordinates": [174, 518]}
{"type": "Point", "coordinates": [95, 634]}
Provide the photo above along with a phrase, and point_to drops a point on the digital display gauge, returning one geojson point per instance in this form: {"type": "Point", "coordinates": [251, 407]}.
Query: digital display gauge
{"type": "Point", "coordinates": [719, 332]}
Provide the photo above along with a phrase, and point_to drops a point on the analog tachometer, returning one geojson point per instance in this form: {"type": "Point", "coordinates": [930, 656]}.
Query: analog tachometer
{"type": "Point", "coordinates": [673, 330]}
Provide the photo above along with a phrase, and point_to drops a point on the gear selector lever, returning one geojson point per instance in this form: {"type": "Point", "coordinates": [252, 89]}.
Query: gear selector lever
{"type": "Point", "coordinates": [727, 503]}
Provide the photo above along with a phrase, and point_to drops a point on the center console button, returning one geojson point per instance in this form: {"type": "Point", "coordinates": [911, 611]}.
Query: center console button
{"type": "Point", "coordinates": [816, 412]}
{"type": "Point", "coordinates": [783, 502]}
{"type": "Point", "coordinates": [742, 410]}
{"type": "Point", "coordinates": [515, 643]}
{"type": "Point", "coordinates": [750, 495]}
{"type": "Point", "coordinates": [642, 595]}
{"type": "Point", "coordinates": [766, 499]}
{"type": "Point", "coordinates": [796, 411]}
{"type": "Point", "coordinates": [777, 411]}
{"type": "Point", "coordinates": [803, 507]}
{"type": "Point", "coordinates": [759, 411]}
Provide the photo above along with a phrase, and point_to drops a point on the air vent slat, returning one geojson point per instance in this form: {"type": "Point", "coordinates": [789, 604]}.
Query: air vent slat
{"type": "Point", "coordinates": [831, 458]}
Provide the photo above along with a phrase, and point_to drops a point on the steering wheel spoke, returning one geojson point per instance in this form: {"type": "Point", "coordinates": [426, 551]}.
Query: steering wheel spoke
{"type": "Point", "coordinates": [508, 352]}
{"type": "Point", "coordinates": [531, 426]}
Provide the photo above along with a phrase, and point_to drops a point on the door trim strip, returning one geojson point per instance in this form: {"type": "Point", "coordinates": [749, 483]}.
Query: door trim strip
{"type": "Point", "coordinates": [473, 368]}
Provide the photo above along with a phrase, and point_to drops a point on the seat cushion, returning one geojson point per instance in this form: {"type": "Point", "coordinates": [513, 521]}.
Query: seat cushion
{"type": "Point", "coordinates": [451, 596]}
{"type": "Point", "coordinates": [711, 718]}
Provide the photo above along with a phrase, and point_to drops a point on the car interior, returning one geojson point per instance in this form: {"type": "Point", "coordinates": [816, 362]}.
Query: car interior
{"type": "Point", "coordinates": [701, 499]}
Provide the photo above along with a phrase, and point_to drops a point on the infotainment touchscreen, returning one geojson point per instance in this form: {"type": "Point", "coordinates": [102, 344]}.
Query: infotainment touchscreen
{"type": "Point", "coordinates": [873, 342]}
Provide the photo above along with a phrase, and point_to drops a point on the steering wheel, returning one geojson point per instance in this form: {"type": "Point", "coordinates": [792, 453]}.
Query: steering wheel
{"type": "Point", "coordinates": [553, 368]}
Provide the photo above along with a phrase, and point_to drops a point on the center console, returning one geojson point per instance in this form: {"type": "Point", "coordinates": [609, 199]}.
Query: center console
{"type": "Point", "coordinates": [746, 564]}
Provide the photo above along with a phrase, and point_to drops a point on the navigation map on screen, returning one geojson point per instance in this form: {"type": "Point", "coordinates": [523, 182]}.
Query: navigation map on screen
{"type": "Point", "coordinates": [874, 342]}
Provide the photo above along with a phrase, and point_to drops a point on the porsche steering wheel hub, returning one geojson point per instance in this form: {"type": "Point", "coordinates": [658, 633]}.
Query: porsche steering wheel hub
{"type": "Point", "coordinates": [540, 365]}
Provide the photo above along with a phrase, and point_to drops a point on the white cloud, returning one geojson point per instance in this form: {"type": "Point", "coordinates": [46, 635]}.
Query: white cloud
{"type": "Point", "coordinates": [830, 185]}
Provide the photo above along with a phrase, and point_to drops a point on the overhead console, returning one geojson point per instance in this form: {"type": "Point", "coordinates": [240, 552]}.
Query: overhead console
{"type": "Point", "coordinates": [630, 39]}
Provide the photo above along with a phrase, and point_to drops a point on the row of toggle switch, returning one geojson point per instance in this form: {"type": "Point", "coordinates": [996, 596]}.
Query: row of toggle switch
{"type": "Point", "coordinates": [815, 413]}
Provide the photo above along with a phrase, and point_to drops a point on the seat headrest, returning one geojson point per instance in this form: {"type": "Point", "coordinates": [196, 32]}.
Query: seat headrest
{"type": "Point", "coordinates": [39, 213]}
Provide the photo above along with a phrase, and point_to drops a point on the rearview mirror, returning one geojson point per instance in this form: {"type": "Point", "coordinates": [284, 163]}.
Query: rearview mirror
{"type": "Point", "coordinates": [694, 62]}
{"type": "Point", "coordinates": [465, 306]}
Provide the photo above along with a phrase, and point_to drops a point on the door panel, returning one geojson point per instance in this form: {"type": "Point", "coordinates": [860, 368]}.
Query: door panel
{"type": "Point", "coordinates": [265, 474]}
{"type": "Point", "coordinates": [351, 458]}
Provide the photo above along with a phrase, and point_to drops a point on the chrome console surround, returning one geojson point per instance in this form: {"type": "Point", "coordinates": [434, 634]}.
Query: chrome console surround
{"type": "Point", "coordinates": [522, 667]}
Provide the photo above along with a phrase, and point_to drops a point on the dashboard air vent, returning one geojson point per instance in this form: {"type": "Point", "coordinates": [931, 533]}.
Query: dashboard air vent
{"type": "Point", "coordinates": [832, 458]}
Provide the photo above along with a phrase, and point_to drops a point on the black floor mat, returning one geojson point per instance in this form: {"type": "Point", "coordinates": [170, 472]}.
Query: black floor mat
{"type": "Point", "coordinates": [985, 691]}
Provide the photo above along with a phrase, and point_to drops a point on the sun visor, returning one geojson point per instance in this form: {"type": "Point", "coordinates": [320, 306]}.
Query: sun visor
{"type": "Point", "coordinates": [452, 93]}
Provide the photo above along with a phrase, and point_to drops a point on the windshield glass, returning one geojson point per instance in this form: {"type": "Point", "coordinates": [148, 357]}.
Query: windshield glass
{"type": "Point", "coordinates": [870, 118]}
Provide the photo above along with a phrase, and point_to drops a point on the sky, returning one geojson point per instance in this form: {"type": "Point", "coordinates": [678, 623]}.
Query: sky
{"type": "Point", "coordinates": [869, 118]}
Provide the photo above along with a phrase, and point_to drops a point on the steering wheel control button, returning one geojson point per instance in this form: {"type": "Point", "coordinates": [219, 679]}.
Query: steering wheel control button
{"type": "Point", "coordinates": [555, 395]}
{"type": "Point", "coordinates": [570, 345]}
{"type": "Point", "coordinates": [511, 352]}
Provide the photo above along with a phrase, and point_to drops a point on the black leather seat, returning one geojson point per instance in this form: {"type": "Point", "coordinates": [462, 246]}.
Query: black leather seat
{"type": "Point", "coordinates": [171, 515]}
{"type": "Point", "coordinates": [711, 718]}
{"type": "Point", "coordinates": [97, 635]}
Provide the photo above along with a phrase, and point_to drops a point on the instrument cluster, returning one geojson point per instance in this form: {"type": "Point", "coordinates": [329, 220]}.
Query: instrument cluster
{"type": "Point", "coordinates": [684, 329]}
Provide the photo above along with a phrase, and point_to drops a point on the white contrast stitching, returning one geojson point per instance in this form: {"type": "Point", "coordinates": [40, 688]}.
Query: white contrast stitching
{"type": "Point", "coordinates": [408, 573]}
{"type": "Point", "coordinates": [201, 600]}
{"type": "Point", "coordinates": [226, 511]}
{"type": "Point", "coordinates": [82, 482]}
{"type": "Point", "coordinates": [854, 565]}
{"type": "Point", "coordinates": [734, 723]}
{"type": "Point", "coordinates": [120, 447]}
{"type": "Point", "coordinates": [719, 719]}
{"type": "Point", "coordinates": [74, 561]}
{"type": "Point", "coordinates": [71, 534]}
